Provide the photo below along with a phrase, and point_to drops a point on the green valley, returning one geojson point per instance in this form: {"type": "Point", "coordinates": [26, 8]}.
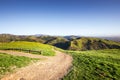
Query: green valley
{"type": "Point", "coordinates": [65, 42]}
{"type": "Point", "coordinates": [93, 58]}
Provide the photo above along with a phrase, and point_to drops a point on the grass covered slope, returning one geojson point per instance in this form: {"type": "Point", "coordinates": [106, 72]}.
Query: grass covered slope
{"type": "Point", "coordinates": [8, 62]}
{"type": "Point", "coordinates": [65, 42]}
{"type": "Point", "coordinates": [93, 44]}
{"type": "Point", "coordinates": [32, 47]}
{"type": "Point", "coordinates": [95, 65]}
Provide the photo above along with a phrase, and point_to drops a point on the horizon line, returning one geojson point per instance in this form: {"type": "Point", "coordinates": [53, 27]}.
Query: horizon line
{"type": "Point", "coordinates": [61, 35]}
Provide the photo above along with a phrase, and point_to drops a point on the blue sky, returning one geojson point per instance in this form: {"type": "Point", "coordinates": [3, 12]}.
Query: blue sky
{"type": "Point", "coordinates": [60, 17]}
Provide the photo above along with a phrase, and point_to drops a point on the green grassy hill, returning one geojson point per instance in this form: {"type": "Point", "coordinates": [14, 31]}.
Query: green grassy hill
{"type": "Point", "coordinates": [93, 44]}
{"type": "Point", "coordinates": [32, 47]}
{"type": "Point", "coordinates": [65, 42]}
{"type": "Point", "coordinates": [95, 65]}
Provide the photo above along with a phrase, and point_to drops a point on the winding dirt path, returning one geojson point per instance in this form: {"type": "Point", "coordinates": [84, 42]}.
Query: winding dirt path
{"type": "Point", "coordinates": [52, 68]}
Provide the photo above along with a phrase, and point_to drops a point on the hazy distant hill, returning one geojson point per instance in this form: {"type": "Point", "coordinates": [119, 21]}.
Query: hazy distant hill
{"type": "Point", "coordinates": [71, 37]}
{"type": "Point", "coordinates": [113, 38]}
{"type": "Point", "coordinates": [116, 38]}
{"type": "Point", "coordinates": [65, 42]}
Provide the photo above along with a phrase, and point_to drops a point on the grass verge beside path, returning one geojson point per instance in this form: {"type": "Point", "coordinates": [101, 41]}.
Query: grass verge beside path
{"type": "Point", "coordinates": [95, 65]}
{"type": "Point", "coordinates": [9, 63]}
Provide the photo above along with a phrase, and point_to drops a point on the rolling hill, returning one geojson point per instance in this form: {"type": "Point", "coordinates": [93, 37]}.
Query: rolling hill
{"type": "Point", "coordinates": [85, 43]}
{"type": "Point", "coordinates": [65, 42]}
{"type": "Point", "coordinates": [95, 64]}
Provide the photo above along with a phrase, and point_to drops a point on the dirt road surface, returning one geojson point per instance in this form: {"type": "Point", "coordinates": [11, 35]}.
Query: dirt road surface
{"type": "Point", "coordinates": [51, 68]}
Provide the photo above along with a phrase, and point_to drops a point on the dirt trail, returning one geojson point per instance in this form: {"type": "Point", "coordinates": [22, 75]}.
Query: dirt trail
{"type": "Point", "coordinates": [52, 68]}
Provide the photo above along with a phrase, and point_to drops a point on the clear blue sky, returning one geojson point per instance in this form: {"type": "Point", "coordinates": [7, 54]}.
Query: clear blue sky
{"type": "Point", "coordinates": [60, 17]}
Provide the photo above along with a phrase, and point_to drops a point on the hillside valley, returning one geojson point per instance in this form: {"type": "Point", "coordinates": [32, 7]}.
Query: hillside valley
{"type": "Point", "coordinates": [58, 57]}
{"type": "Point", "coordinates": [65, 42]}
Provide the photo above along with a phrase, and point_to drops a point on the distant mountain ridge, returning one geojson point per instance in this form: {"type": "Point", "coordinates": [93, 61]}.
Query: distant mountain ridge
{"type": "Point", "coordinates": [65, 42]}
{"type": "Point", "coordinates": [115, 38]}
